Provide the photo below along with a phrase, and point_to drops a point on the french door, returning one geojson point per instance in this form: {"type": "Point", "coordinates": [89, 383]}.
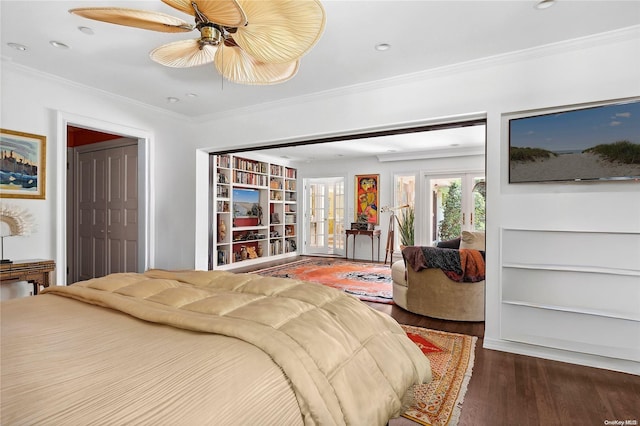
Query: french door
{"type": "Point", "coordinates": [456, 204]}
{"type": "Point", "coordinates": [324, 216]}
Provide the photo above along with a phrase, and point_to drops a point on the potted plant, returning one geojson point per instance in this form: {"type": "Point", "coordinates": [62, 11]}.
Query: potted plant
{"type": "Point", "coordinates": [406, 226]}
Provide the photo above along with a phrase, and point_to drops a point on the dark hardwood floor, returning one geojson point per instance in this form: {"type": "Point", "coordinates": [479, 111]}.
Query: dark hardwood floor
{"type": "Point", "coordinates": [509, 389]}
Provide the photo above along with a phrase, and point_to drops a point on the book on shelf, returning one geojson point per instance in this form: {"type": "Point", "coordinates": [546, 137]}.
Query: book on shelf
{"type": "Point", "coordinates": [223, 161]}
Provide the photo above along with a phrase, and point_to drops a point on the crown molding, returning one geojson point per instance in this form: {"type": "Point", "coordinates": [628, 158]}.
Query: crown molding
{"type": "Point", "coordinates": [7, 63]}
{"type": "Point", "coordinates": [631, 33]}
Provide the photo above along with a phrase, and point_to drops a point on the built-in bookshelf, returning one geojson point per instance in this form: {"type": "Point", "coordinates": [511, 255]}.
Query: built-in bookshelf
{"type": "Point", "coordinates": [254, 212]}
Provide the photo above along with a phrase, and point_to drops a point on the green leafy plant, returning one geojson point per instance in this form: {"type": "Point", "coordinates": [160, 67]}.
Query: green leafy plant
{"type": "Point", "coordinates": [406, 226]}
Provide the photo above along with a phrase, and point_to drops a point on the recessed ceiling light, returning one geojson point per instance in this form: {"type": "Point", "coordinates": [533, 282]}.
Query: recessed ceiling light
{"type": "Point", "coordinates": [454, 144]}
{"type": "Point", "coordinates": [172, 100]}
{"type": "Point", "coordinates": [191, 95]}
{"type": "Point", "coordinates": [58, 44]}
{"type": "Point", "coordinates": [17, 46]}
{"type": "Point", "coordinates": [86, 30]}
{"type": "Point", "coordinates": [381, 47]}
{"type": "Point", "coordinates": [545, 4]}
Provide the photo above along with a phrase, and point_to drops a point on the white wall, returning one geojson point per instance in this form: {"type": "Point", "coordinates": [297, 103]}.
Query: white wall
{"type": "Point", "coordinates": [584, 71]}
{"type": "Point", "coordinates": [33, 102]}
{"type": "Point", "coordinates": [348, 169]}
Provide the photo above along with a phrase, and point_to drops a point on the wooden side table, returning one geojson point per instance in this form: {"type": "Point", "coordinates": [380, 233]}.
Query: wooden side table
{"type": "Point", "coordinates": [370, 233]}
{"type": "Point", "coordinates": [34, 271]}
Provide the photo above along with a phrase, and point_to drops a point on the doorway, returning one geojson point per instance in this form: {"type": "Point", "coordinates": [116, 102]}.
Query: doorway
{"type": "Point", "coordinates": [324, 216]}
{"type": "Point", "coordinates": [66, 189]}
{"type": "Point", "coordinates": [103, 231]}
{"type": "Point", "coordinates": [456, 204]}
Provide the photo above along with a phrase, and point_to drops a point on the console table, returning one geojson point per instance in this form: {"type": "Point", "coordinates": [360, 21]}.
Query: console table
{"type": "Point", "coordinates": [370, 233]}
{"type": "Point", "coordinates": [34, 271]}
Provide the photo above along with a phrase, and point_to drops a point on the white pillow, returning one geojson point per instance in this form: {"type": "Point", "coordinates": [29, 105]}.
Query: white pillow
{"type": "Point", "coordinates": [472, 240]}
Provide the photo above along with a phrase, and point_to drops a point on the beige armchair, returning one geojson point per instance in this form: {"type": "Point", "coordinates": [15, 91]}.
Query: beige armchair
{"type": "Point", "coordinates": [432, 293]}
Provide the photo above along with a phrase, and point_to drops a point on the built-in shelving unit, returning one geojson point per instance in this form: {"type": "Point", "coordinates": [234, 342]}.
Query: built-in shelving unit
{"type": "Point", "coordinates": [254, 211]}
{"type": "Point", "coordinates": [569, 289]}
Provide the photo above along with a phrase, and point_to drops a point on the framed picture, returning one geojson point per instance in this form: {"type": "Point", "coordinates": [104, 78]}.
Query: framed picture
{"type": "Point", "coordinates": [22, 165]}
{"type": "Point", "coordinates": [367, 198]}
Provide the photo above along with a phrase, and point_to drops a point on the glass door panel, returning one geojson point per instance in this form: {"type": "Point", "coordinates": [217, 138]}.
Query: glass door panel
{"type": "Point", "coordinates": [457, 204]}
{"type": "Point", "coordinates": [324, 232]}
{"type": "Point", "coordinates": [479, 207]}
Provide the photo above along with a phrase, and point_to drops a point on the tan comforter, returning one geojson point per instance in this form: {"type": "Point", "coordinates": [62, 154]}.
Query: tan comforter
{"type": "Point", "coordinates": [346, 363]}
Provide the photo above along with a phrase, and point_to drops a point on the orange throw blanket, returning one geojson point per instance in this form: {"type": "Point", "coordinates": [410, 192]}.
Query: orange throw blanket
{"type": "Point", "coordinates": [472, 264]}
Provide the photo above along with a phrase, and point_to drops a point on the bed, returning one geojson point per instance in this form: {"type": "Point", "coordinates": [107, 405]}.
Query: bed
{"type": "Point", "coordinates": [202, 347]}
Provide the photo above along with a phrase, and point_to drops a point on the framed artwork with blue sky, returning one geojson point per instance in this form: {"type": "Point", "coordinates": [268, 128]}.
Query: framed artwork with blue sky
{"type": "Point", "coordinates": [598, 142]}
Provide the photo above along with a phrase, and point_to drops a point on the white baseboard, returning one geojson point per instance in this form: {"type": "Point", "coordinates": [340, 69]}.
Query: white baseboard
{"type": "Point", "coordinates": [614, 364]}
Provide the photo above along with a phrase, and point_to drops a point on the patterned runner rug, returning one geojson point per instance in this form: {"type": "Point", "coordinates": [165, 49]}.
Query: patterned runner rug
{"type": "Point", "coordinates": [439, 402]}
{"type": "Point", "coordinates": [367, 281]}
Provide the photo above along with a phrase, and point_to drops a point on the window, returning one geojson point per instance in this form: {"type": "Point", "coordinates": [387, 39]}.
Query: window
{"type": "Point", "coordinates": [457, 203]}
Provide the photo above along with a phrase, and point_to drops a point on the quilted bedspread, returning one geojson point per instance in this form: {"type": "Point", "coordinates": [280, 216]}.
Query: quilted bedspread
{"type": "Point", "coordinates": [347, 363]}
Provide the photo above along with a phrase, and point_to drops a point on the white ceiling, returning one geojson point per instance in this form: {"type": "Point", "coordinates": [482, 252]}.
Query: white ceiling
{"type": "Point", "coordinates": [423, 35]}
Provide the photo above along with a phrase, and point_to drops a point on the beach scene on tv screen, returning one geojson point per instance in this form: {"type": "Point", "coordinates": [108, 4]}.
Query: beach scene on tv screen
{"type": "Point", "coordinates": [597, 143]}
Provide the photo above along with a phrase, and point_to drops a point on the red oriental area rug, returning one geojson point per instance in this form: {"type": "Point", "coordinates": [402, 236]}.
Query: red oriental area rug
{"type": "Point", "coordinates": [451, 355]}
{"type": "Point", "coordinates": [367, 281]}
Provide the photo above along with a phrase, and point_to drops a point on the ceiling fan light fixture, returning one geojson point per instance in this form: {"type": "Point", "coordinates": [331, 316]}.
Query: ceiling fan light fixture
{"type": "Point", "coordinates": [238, 66]}
{"type": "Point", "coordinates": [147, 20]}
{"type": "Point", "coordinates": [184, 54]}
{"type": "Point", "coordinates": [544, 4]}
{"type": "Point", "coordinates": [280, 31]}
{"type": "Point", "coordinates": [262, 40]}
{"type": "Point", "coordinates": [227, 13]}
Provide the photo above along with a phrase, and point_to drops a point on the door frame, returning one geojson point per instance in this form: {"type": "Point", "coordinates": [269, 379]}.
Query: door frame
{"type": "Point", "coordinates": [427, 202]}
{"type": "Point", "coordinates": [72, 198]}
{"type": "Point", "coordinates": [146, 237]}
{"type": "Point", "coordinates": [306, 211]}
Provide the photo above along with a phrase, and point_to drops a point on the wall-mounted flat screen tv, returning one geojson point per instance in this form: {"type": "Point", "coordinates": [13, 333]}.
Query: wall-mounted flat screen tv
{"type": "Point", "coordinates": [246, 202]}
{"type": "Point", "coordinates": [596, 143]}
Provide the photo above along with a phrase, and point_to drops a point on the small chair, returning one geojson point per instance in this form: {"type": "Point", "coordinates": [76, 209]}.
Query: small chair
{"type": "Point", "coordinates": [432, 293]}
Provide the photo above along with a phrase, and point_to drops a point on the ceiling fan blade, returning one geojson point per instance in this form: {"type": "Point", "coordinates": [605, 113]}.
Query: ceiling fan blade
{"type": "Point", "coordinates": [280, 30]}
{"type": "Point", "coordinates": [223, 12]}
{"type": "Point", "coordinates": [184, 54]}
{"type": "Point", "coordinates": [144, 19]}
{"type": "Point", "coordinates": [236, 65]}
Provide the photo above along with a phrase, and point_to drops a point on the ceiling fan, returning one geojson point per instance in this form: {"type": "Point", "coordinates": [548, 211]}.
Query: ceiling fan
{"type": "Point", "coordinates": [249, 41]}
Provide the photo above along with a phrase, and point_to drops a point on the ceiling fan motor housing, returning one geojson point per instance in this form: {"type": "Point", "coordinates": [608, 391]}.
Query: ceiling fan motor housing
{"type": "Point", "coordinates": [210, 34]}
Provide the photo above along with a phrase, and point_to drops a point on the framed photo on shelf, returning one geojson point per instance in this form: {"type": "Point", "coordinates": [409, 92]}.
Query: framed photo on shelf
{"type": "Point", "coordinates": [367, 199]}
{"type": "Point", "coordinates": [22, 165]}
